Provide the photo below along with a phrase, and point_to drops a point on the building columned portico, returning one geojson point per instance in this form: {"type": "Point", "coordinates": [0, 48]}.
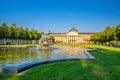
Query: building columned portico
{"type": "Point", "coordinates": [72, 36]}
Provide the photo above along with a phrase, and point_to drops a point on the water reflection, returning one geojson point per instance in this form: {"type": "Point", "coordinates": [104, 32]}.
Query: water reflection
{"type": "Point", "coordinates": [70, 50]}
{"type": "Point", "coordinates": [19, 56]}
{"type": "Point", "coordinates": [16, 56]}
{"type": "Point", "coordinates": [44, 54]}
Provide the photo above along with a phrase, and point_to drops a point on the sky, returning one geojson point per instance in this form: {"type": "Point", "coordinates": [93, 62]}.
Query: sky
{"type": "Point", "coordinates": [61, 15]}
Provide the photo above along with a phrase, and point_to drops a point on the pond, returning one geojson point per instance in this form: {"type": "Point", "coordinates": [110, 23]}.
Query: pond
{"type": "Point", "coordinates": [21, 57]}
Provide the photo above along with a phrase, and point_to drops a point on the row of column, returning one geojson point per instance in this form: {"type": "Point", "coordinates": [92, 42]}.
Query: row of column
{"type": "Point", "coordinates": [72, 38]}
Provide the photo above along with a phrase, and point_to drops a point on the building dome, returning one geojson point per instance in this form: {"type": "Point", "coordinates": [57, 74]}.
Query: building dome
{"type": "Point", "coordinates": [73, 29]}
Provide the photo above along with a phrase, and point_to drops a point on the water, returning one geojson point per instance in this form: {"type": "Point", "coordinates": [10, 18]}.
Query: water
{"type": "Point", "coordinates": [20, 56]}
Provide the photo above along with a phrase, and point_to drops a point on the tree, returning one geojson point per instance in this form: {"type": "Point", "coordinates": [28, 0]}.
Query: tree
{"type": "Point", "coordinates": [118, 32]}
{"type": "Point", "coordinates": [52, 38]}
{"type": "Point", "coordinates": [109, 34]}
{"type": "Point", "coordinates": [17, 33]}
{"type": "Point", "coordinates": [34, 34]}
{"type": "Point", "coordinates": [3, 31]}
{"type": "Point", "coordinates": [21, 31]}
{"type": "Point", "coordinates": [0, 32]}
{"type": "Point", "coordinates": [12, 31]}
{"type": "Point", "coordinates": [93, 38]}
{"type": "Point", "coordinates": [39, 36]}
{"type": "Point", "coordinates": [97, 37]}
{"type": "Point", "coordinates": [27, 34]}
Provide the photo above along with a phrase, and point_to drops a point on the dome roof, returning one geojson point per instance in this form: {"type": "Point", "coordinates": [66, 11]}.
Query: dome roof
{"type": "Point", "coordinates": [73, 29]}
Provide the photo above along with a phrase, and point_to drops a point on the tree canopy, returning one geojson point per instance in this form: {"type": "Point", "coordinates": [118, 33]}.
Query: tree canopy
{"type": "Point", "coordinates": [118, 32]}
{"type": "Point", "coordinates": [107, 35]}
{"type": "Point", "coordinates": [14, 32]}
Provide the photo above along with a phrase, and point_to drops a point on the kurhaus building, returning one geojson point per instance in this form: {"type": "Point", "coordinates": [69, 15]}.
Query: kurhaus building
{"type": "Point", "coordinates": [72, 36]}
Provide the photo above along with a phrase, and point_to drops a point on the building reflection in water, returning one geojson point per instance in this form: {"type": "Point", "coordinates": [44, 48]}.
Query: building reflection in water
{"type": "Point", "coordinates": [70, 50]}
{"type": "Point", "coordinates": [19, 56]}
{"type": "Point", "coordinates": [43, 54]}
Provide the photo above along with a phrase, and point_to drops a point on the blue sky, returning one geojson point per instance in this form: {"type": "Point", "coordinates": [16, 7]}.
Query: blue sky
{"type": "Point", "coordinates": [61, 15]}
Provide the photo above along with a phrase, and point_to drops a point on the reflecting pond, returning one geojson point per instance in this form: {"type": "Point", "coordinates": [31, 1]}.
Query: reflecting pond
{"type": "Point", "coordinates": [20, 56]}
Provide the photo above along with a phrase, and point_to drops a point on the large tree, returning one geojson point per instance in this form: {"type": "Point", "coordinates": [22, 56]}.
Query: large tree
{"type": "Point", "coordinates": [27, 34]}
{"type": "Point", "coordinates": [17, 33]}
{"type": "Point", "coordinates": [0, 31]}
{"type": "Point", "coordinates": [34, 34]}
{"type": "Point", "coordinates": [109, 34]}
{"type": "Point", "coordinates": [12, 31]}
{"type": "Point", "coordinates": [98, 37]}
{"type": "Point", "coordinates": [118, 32]}
{"type": "Point", "coordinates": [39, 36]}
{"type": "Point", "coordinates": [4, 31]}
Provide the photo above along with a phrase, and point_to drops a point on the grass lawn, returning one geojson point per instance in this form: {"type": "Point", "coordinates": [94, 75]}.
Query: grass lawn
{"type": "Point", "coordinates": [105, 67]}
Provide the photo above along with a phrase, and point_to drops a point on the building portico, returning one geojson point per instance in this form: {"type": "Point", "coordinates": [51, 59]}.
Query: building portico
{"type": "Point", "coordinates": [72, 36]}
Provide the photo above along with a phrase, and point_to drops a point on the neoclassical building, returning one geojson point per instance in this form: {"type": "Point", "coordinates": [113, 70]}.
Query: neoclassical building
{"type": "Point", "coordinates": [72, 36]}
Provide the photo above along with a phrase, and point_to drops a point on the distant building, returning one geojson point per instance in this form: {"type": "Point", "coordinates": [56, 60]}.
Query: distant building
{"type": "Point", "coordinates": [72, 36]}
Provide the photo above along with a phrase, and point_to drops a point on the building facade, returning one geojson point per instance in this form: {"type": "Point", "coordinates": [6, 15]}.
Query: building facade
{"type": "Point", "coordinates": [72, 36]}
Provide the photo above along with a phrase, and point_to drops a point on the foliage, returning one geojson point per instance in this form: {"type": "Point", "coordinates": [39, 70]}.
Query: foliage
{"type": "Point", "coordinates": [118, 31]}
{"type": "Point", "coordinates": [97, 37]}
{"type": "Point", "coordinates": [108, 35]}
{"type": "Point", "coordinates": [14, 32]}
{"type": "Point", "coordinates": [3, 31]}
{"type": "Point", "coordinates": [52, 38]}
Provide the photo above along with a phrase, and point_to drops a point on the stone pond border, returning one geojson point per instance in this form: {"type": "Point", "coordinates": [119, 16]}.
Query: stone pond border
{"type": "Point", "coordinates": [18, 69]}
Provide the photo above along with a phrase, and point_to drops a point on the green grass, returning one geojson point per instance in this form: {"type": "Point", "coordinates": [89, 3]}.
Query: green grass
{"type": "Point", "coordinates": [105, 67]}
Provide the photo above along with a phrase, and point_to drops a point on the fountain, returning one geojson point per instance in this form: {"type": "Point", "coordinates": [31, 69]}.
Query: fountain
{"type": "Point", "coordinates": [44, 42]}
{"type": "Point", "coordinates": [29, 57]}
